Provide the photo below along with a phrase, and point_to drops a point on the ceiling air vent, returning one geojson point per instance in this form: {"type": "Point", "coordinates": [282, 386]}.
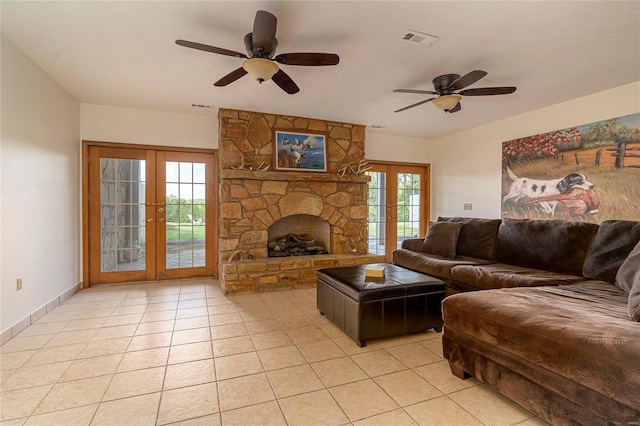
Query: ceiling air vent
{"type": "Point", "coordinates": [418, 38]}
{"type": "Point", "coordinates": [200, 106]}
{"type": "Point", "coordinates": [376, 126]}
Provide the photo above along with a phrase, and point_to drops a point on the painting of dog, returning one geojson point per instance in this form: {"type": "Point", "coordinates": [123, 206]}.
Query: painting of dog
{"type": "Point", "coordinates": [545, 176]}
{"type": "Point", "coordinates": [546, 193]}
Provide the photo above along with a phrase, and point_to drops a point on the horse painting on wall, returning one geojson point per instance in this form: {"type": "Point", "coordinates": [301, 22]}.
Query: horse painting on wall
{"type": "Point", "coordinates": [588, 173]}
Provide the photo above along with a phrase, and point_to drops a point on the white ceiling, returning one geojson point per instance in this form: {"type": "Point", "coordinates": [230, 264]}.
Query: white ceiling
{"type": "Point", "coordinates": [123, 54]}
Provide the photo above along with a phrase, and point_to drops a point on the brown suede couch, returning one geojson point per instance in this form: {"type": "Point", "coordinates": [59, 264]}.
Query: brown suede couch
{"type": "Point", "coordinates": [552, 332]}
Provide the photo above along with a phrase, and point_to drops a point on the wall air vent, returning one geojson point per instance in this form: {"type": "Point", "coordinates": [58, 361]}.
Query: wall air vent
{"type": "Point", "coordinates": [376, 126]}
{"type": "Point", "coordinates": [200, 106]}
{"type": "Point", "coordinates": [418, 38]}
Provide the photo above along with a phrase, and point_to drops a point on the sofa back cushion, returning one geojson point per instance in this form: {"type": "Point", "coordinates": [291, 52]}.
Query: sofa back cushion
{"type": "Point", "coordinates": [612, 244]}
{"type": "Point", "coordinates": [551, 245]}
{"type": "Point", "coordinates": [441, 239]}
{"type": "Point", "coordinates": [477, 236]}
{"type": "Point", "coordinates": [628, 279]}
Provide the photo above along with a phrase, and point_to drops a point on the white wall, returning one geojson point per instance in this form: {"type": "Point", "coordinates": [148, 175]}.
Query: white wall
{"type": "Point", "coordinates": [138, 126]}
{"type": "Point", "coordinates": [467, 166]}
{"type": "Point", "coordinates": [40, 212]}
{"type": "Point", "coordinates": [396, 148]}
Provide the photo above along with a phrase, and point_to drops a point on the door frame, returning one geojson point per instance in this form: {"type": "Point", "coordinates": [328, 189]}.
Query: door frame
{"type": "Point", "coordinates": [87, 144]}
{"type": "Point", "coordinates": [392, 167]}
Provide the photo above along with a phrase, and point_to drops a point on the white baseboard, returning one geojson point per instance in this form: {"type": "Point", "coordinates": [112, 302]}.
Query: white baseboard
{"type": "Point", "coordinates": [32, 318]}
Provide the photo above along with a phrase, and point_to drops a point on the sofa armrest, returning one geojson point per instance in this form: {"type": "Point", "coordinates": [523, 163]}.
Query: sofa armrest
{"type": "Point", "coordinates": [413, 244]}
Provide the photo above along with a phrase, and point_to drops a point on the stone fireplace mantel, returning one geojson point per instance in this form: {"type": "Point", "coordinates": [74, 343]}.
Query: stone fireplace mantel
{"type": "Point", "coordinates": [291, 176]}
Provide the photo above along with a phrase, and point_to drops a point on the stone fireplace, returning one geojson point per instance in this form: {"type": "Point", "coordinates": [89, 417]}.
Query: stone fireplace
{"type": "Point", "coordinates": [254, 201]}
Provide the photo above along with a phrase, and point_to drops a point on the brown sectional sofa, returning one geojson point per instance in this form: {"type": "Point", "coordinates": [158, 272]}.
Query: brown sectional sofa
{"type": "Point", "coordinates": [512, 253]}
{"type": "Point", "coordinates": [552, 331]}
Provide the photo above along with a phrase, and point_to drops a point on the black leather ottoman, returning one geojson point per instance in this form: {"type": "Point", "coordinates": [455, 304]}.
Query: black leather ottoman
{"type": "Point", "coordinates": [402, 302]}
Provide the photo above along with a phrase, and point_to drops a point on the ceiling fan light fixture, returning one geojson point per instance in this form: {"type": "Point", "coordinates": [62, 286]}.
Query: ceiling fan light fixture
{"type": "Point", "coordinates": [259, 68]}
{"type": "Point", "coordinates": [446, 102]}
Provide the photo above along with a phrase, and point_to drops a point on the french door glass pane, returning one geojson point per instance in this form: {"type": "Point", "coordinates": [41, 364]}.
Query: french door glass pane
{"type": "Point", "coordinates": [408, 206]}
{"type": "Point", "coordinates": [377, 212]}
{"type": "Point", "coordinates": [122, 210]}
{"type": "Point", "coordinates": [185, 215]}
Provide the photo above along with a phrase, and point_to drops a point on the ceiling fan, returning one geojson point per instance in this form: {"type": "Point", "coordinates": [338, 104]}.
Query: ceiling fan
{"type": "Point", "coordinates": [447, 87]}
{"type": "Point", "coordinates": [260, 62]}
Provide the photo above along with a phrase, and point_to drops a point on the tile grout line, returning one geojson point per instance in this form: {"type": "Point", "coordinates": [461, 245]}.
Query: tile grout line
{"type": "Point", "coordinates": [116, 369]}
{"type": "Point", "coordinates": [213, 359]}
{"type": "Point", "coordinates": [284, 326]}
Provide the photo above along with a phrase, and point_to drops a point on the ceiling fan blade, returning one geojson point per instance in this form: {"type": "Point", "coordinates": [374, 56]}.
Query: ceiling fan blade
{"type": "Point", "coordinates": [231, 77]}
{"type": "Point", "coordinates": [485, 91]}
{"type": "Point", "coordinates": [414, 105]}
{"type": "Point", "coordinates": [212, 49]}
{"type": "Point", "coordinates": [285, 83]}
{"type": "Point", "coordinates": [421, 92]}
{"type": "Point", "coordinates": [456, 108]}
{"type": "Point", "coordinates": [467, 80]}
{"type": "Point", "coordinates": [264, 31]}
{"type": "Point", "coordinates": [308, 59]}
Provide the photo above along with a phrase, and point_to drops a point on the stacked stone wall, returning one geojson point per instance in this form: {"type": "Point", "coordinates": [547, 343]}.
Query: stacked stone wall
{"type": "Point", "coordinates": [251, 200]}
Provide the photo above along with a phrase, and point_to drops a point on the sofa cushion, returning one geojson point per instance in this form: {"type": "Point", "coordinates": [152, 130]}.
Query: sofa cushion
{"type": "Point", "coordinates": [551, 245]}
{"type": "Point", "coordinates": [499, 275]}
{"type": "Point", "coordinates": [442, 239]}
{"type": "Point", "coordinates": [628, 279]}
{"type": "Point", "coordinates": [432, 265]}
{"type": "Point", "coordinates": [580, 332]}
{"type": "Point", "coordinates": [414, 244]}
{"type": "Point", "coordinates": [610, 247]}
{"type": "Point", "coordinates": [477, 236]}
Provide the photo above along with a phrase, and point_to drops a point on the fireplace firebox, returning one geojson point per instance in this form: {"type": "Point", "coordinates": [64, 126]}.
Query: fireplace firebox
{"type": "Point", "coordinates": [299, 235]}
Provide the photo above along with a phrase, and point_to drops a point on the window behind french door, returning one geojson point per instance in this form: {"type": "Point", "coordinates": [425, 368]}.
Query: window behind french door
{"type": "Point", "coordinates": [398, 205]}
{"type": "Point", "coordinates": [151, 214]}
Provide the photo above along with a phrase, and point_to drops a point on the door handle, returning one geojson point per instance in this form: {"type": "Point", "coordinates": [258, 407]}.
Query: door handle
{"type": "Point", "coordinates": [160, 209]}
{"type": "Point", "coordinates": [150, 219]}
{"type": "Point", "coordinates": [161, 220]}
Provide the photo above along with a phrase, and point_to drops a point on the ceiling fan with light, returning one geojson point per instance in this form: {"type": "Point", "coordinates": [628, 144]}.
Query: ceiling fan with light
{"type": "Point", "coordinates": [449, 87]}
{"type": "Point", "coordinates": [261, 62]}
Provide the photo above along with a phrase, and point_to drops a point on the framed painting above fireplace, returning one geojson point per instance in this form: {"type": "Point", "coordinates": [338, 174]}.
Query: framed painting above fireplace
{"type": "Point", "coordinates": [300, 151]}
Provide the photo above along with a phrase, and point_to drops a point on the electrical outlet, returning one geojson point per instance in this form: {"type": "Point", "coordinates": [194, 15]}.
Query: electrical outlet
{"type": "Point", "coordinates": [19, 284]}
{"type": "Point", "coordinates": [468, 206]}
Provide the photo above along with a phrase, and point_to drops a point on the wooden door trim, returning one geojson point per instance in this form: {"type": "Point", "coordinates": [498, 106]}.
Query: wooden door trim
{"type": "Point", "coordinates": [392, 209]}
{"type": "Point", "coordinates": [85, 215]}
{"type": "Point", "coordinates": [150, 227]}
{"type": "Point", "coordinates": [426, 213]}
{"type": "Point", "coordinates": [397, 163]}
{"type": "Point", "coordinates": [151, 147]}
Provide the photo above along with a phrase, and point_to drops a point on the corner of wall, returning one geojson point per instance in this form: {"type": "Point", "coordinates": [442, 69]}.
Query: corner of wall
{"type": "Point", "coordinates": [41, 182]}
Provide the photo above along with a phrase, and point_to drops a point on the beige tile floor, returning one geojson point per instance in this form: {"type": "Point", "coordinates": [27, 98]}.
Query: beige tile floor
{"type": "Point", "coordinates": [180, 352]}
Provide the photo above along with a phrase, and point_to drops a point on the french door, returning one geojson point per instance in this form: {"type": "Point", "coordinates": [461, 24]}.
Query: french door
{"type": "Point", "coordinates": [151, 214]}
{"type": "Point", "coordinates": [398, 205]}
